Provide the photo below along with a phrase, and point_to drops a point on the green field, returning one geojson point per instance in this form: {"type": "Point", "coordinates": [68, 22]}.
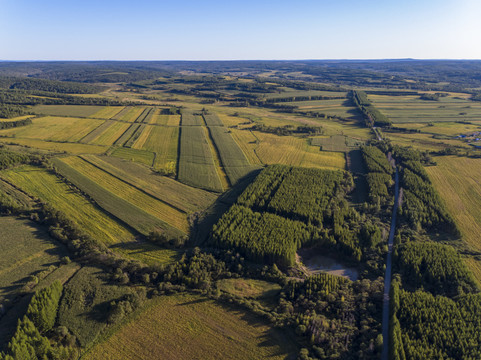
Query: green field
{"type": "Point", "coordinates": [192, 327]}
{"type": "Point", "coordinates": [42, 184]}
{"type": "Point", "coordinates": [140, 156]}
{"type": "Point", "coordinates": [336, 143]}
{"type": "Point", "coordinates": [67, 110]}
{"type": "Point", "coordinates": [411, 109]}
{"type": "Point", "coordinates": [26, 250]}
{"type": "Point", "coordinates": [196, 163]}
{"type": "Point", "coordinates": [54, 128]}
{"type": "Point", "coordinates": [178, 195]}
{"type": "Point", "coordinates": [135, 208]}
{"type": "Point", "coordinates": [188, 118]}
{"type": "Point", "coordinates": [233, 159]}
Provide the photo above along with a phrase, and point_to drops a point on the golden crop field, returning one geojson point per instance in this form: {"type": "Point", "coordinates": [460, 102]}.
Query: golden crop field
{"type": "Point", "coordinates": [111, 133]}
{"type": "Point", "coordinates": [149, 204]}
{"type": "Point", "coordinates": [458, 181]}
{"type": "Point", "coordinates": [142, 138]}
{"type": "Point", "coordinates": [289, 150]}
{"type": "Point", "coordinates": [72, 148]}
{"type": "Point", "coordinates": [168, 120]}
{"type": "Point", "coordinates": [246, 140]}
{"type": "Point", "coordinates": [54, 128]}
{"type": "Point", "coordinates": [192, 327]}
{"type": "Point", "coordinates": [67, 110]}
{"type": "Point", "coordinates": [107, 112]}
{"type": "Point", "coordinates": [131, 113]}
{"type": "Point", "coordinates": [40, 183]}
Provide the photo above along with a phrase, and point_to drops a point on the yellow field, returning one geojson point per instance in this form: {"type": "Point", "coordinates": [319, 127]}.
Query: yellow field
{"type": "Point", "coordinates": [169, 120]}
{"type": "Point", "coordinates": [289, 150]}
{"type": "Point", "coordinates": [192, 327]}
{"type": "Point", "coordinates": [111, 134]}
{"type": "Point", "coordinates": [107, 112]}
{"type": "Point", "coordinates": [247, 142]}
{"type": "Point", "coordinates": [132, 113]}
{"type": "Point", "coordinates": [72, 148]}
{"type": "Point", "coordinates": [47, 187]}
{"type": "Point", "coordinates": [458, 181]}
{"type": "Point", "coordinates": [138, 198]}
{"type": "Point", "coordinates": [144, 135]}
{"type": "Point", "coordinates": [164, 142]}
{"type": "Point", "coordinates": [54, 128]}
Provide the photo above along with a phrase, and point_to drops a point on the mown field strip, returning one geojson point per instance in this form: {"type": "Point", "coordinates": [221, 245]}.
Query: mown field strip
{"type": "Point", "coordinates": [127, 135]}
{"type": "Point", "coordinates": [111, 134]}
{"type": "Point", "coordinates": [50, 189]}
{"type": "Point", "coordinates": [234, 161]}
{"type": "Point", "coordinates": [211, 119]}
{"type": "Point", "coordinates": [185, 197]}
{"type": "Point", "coordinates": [140, 141]}
{"type": "Point", "coordinates": [129, 180]}
{"type": "Point", "coordinates": [131, 114]}
{"type": "Point", "coordinates": [217, 161]}
{"type": "Point", "coordinates": [146, 115]}
{"type": "Point", "coordinates": [135, 196]}
{"type": "Point", "coordinates": [135, 136]}
{"type": "Point", "coordinates": [121, 113]}
{"type": "Point", "coordinates": [211, 330]}
{"type": "Point", "coordinates": [120, 208]}
{"type": "Point", "coordinates": [96, 132]}
{"type": "Point", "coordinates": [196, 163]}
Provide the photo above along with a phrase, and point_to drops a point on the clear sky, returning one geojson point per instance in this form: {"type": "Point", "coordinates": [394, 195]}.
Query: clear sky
{"type": "Point", "coordinates": [248, 29]}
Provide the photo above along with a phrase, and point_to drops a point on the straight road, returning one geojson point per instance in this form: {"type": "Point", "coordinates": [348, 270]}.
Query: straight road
{"type": "Point", "coordinates": [387, 276]}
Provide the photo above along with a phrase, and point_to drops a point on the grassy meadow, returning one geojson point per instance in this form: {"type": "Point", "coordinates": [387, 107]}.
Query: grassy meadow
{"type": "Point", "coordinates": [211, 331]}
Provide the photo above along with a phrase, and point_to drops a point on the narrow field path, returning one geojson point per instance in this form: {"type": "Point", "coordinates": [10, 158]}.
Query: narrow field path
{"type": "Point", "coordinates": [387, 276]}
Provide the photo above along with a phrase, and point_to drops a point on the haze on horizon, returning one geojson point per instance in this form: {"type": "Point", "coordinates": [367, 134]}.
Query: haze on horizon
{"type": "Point", "coordinates": [244, 30]}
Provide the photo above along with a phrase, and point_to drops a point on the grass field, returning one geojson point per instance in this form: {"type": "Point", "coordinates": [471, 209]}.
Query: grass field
{"type": "Point", "coordinates": [131, 113]}
{"type": "Point", "coordinates": [196, 164]}
{"type": "Point", "coordinates": [124, 138]}
{"type": "Point", "coordinates": [406, 109]}
{"type": "Point", "coordinates": [336, 107]}
{"type": "Point", "coordinates": [141, 211]}
{"type": "Point", "coordinates": [85, 303]}
{"type": "Point", "coordinates": [47, 187]}
{"type": "Point", "coordinates": [140, 156]}
{"type": "Point", "coordinates": [67, 110]}
{"type": "Point", "coordinates": [263, 291]}
{"type": "Point", "coordinates": [122, 190]}
{"type": "Point", "coordinates": [291, 93]}
{"type": "Point", "coordinates": [233, 159]}
{"type": "Point", "coordinates": [184, 197]}
{"type": "Point", "coordinates": [189, 119]}
{"type": "Point", "coordinates": [110, 134]}
{"type": "Point", "coordinates": [59, 147]}
{"type": "Point", "coordinates": [163, 141]}
{"type": "Point", "coordinates": [169, 120]}
{"type": "Point", "coordinates": [211, 119]}
{"type": "Point", "coordinates": [107, 112]}
{"type": "Point", "coordinates": [191, 327]}
{"type": "Point", "coordinates": [25, 250]}
{"type": "Point", "coordinates": [336, 143]}
{"type": "Point", "coordinates": [457, 180]}
{"type": "Point", "coordinates": [287, 150]}
{"type": "Point", "coordinates": [54, 128]}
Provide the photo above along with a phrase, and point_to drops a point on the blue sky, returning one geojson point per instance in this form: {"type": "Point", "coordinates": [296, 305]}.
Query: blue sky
{"type": "Point", "coordinates": [227, 30]}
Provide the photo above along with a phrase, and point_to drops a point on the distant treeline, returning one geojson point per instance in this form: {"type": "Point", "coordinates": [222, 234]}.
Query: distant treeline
{"type": "Point", "coordinates": [62, 87]}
